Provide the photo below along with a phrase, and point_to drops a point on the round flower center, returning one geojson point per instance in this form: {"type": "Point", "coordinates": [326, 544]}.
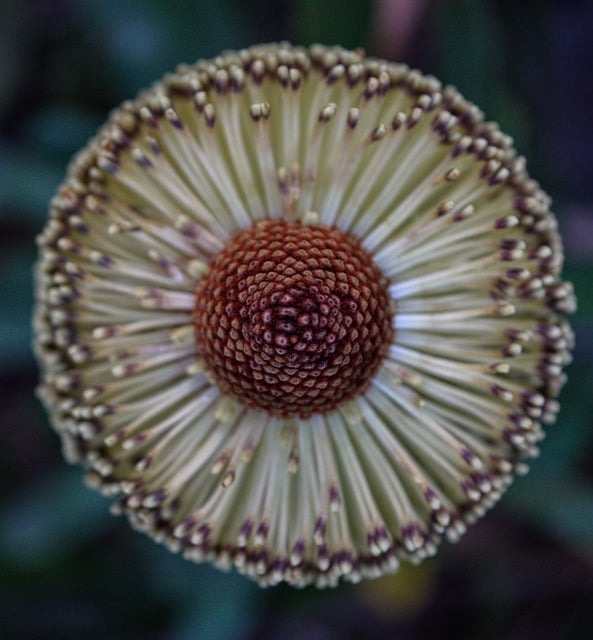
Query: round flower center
{"type": "Point", "coordinates": [292, 319]}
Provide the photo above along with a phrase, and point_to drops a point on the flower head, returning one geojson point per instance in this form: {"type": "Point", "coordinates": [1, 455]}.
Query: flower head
{"type": "Point", "coordinates": [300, 311]}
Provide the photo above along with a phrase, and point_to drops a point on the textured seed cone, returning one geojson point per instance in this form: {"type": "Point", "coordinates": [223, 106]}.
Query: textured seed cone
{"type": "Point", "coordinates": [293, 319]}
{"type": "Point", "coordinates": [301, 313]}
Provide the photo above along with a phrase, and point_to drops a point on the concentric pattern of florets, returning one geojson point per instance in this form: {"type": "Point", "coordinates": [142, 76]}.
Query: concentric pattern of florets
{"type": "Point", "coordinates": [326, 140]}
{"type": "Point", "coordinates": [292, 319]}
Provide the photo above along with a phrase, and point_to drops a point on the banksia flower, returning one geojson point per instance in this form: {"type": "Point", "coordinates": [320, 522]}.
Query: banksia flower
{"type": "Point", "coordinates": [300, 312]}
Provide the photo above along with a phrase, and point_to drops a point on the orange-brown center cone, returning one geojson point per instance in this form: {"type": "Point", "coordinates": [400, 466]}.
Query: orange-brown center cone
{"type": "Point", "coordinates": [292, 319]}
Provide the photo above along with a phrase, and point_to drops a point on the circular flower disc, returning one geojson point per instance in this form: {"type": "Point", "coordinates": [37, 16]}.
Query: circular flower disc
{"type": "Point", "coordinates": [301, 312]}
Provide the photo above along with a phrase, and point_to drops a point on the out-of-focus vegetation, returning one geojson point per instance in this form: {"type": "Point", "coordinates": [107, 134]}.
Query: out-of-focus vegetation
{"type": "Point", "coordinates": [70, 570]}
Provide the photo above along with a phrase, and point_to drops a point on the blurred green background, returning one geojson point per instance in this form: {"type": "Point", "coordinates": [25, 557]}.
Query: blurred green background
{"type": "Point", "coordinates": [70, 570]}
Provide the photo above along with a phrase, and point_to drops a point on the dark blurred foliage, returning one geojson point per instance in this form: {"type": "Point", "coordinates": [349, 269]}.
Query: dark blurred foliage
{"type": "Point", "coordinates": [70, 570]}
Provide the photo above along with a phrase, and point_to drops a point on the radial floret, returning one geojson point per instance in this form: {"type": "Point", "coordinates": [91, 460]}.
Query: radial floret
{"type": "Point", "coordinates": [301, 313]}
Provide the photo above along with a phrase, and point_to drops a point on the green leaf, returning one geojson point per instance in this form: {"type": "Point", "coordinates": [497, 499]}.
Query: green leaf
{"type": "Point", "coordinates": [45, 521]}
{"type": "Point", "coordinates": [29, 180]}
{"type": "Point", "coordinates": [343, 22]}
{"type": "Point", "coordinates": [563, 507]}
{"type": "Point", "coordinates": [16, 310]}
